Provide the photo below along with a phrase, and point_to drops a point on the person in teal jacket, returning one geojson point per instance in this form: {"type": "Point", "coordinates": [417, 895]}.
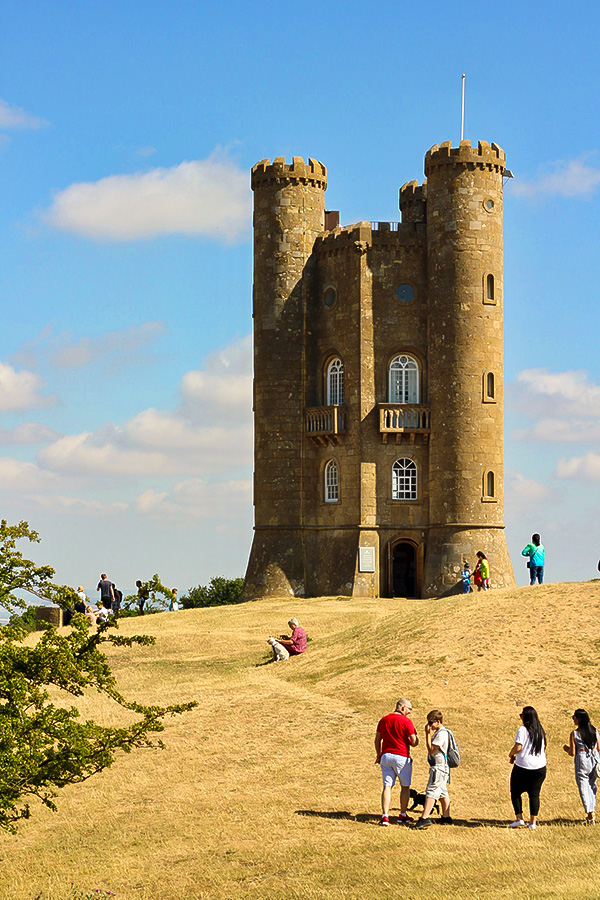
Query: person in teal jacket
{"type": "Point", "coordinates": [536, 553]}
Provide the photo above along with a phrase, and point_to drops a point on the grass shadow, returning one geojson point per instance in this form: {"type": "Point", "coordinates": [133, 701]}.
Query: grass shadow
{"type": "Point", "coordinates": [373, 819]}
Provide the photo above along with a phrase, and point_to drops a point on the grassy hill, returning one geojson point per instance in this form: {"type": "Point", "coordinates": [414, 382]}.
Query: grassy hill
{"type": "Point", "coordinates": [269, 787]}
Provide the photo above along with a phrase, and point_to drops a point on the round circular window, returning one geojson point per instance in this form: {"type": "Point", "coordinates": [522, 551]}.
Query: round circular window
{"type": "Point", "coordinates": [329, 297]}
{"type": "Point", "coordinates": [488, 204]}
{"type": "Point", "coordinates": [405, 293]}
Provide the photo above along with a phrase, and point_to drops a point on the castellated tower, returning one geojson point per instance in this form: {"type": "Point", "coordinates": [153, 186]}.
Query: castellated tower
{"type": "Point", "coordinates": [378, 396]}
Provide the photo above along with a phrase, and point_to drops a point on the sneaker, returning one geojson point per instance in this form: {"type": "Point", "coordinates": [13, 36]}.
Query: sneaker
{"type": "Point", "coordinates": [446, 820]}
{"type": "Point", "coordinates": [423, 823]}
{"type": "Point", "coordinates": [518, 823]}
{"type": "Point", "coordinates": [404, 819]}
{"type": "Point", "coordinates": [589, 822]}
{"type": "Point", "coordinates": [532, 825]}
{"type": "Point", "coordinates": [384, 820]}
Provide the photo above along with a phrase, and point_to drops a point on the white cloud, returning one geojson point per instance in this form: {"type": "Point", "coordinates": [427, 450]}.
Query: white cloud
{"type": "Point", "coordinates": [550, 395]}
{"type": "Point", "coordinates": [209, 197]}
{"type": "Point", "coordinates": [14, 117]}
{"type": "Point", "coordinates": [525, 493]}
{"type": "Point", "coordinates": [59, 503]}
{"type": "Point", "coordinates": [198, 499]}
{"type": "Point", "coordinates": [19, 477]}
{"type": "Point", "coordinates": [21, 390]}
{"type": "Point", "coordinates": [580, 468]}
{"type": "Point", "coordinates": [28, 433]}
{"type": "Point", "coordinates": [210, 433]}
{"type": "Point", "coordinates": [564, 178]}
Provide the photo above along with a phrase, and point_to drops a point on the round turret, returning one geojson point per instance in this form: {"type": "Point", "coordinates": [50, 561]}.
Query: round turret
{"type": "Point", "coordinates": [289, 213]}
{"type": "Point", "coordinates": [464, 242]}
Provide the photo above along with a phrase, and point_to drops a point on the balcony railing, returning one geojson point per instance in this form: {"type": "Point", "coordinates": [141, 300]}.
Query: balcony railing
{"type": "Point", "coordinates": [400, 418]}
{"type": "Point", "coordinates": [325, 423]}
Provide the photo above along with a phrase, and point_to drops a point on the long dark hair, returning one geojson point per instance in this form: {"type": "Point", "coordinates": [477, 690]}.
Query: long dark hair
{"type": "Point", "coordinates": [536, 733]}
{"type": "Point", "coordinates": [586, 730]}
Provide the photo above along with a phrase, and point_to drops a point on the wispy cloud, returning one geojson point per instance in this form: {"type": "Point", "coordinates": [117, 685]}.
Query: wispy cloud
{"type": "Point", "coordinates": [21, 390]}
{"type": "Point", "coordinates": [28, 433]}
{"type": "Point", "coordinates": [14, 117]}
{"type": "Point", "coordinates": [198, 499]}
{"type": "Point", "coordinates": [210, 432]}
{"type": "Point", "coordinates": [564, 178]}
{"type": "Point", "coordinates": [113, 349]}
{"type": "Point", "coordinates": [208, 198]}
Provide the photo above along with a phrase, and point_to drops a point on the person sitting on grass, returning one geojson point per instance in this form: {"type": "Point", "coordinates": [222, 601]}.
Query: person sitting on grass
{"type": "Point", "coordinates": [296, 643]}
{"type": "Point", "coordinates": [436, 737]}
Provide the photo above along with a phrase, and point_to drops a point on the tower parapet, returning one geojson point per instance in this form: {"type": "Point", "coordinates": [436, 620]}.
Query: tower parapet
{"type": "Point", "coordinates": [299, 172]}
{"type": "Point", "coordinates": [413, 201]}
{"type": "Point", "coordinates": [484, 156]}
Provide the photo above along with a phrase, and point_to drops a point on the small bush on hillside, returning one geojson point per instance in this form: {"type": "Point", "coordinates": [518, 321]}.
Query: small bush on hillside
{"type": "Point", "coordinates": [24, 622]}
{"type": "Point", "coordinates": [218, 592]}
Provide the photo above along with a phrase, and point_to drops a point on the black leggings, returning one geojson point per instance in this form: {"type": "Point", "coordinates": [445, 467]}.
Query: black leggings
{"type": "Point", "coordinates": [527, 781]}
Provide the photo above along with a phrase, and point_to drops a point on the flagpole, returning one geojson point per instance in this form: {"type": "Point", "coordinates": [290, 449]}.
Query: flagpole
{"type": "Point", "coordinates": [462, 110]}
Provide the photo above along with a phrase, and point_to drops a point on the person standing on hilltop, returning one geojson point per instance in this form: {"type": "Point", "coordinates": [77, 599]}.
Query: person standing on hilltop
{"type": "Point", "coordinates": [584, 745]}
{"type": "Point", "coordinates": [536, 553]}
{"type": "Point", "coordinates": [482, 571]}
{"type": "Point", "coordinates": [395, 735]}
{"type": "Point", "coordinates": [143, 595]}
{"type": "Point", "coordinates": [107, 594]}
{"type": "Point", "coordinates": [528, 759]}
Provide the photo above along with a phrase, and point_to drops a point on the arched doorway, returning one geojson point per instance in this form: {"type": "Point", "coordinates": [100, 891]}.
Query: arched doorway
{"type": "Point", "coordinates": [404, 569]}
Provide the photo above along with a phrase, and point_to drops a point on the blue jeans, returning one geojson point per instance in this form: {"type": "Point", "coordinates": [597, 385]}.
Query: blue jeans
{"type": "Point", "coordinates": [536, 572]}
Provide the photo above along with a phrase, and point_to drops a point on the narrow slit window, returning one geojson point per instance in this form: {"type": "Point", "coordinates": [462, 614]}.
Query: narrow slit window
{"type": "Point", "coordinates": [489, 485]}
{"type": "Point", "coordinates": [490, 386]}
{"type": "Point", "coordinates": [489, 289]}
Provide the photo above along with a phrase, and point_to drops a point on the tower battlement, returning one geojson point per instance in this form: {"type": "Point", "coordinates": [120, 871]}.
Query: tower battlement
{"type": "Point", "coordinates": [413, 197]}
{"type": "Point", "coordinates": [484, 156]}
{"type": "Point", "coordinates": [298, 172]}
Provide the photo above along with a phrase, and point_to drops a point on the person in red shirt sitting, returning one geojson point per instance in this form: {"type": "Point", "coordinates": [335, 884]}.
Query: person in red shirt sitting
{"type": "Point", "coordinates": [395, 735]}
{"type": "Point", "coordinates": [297, 642]}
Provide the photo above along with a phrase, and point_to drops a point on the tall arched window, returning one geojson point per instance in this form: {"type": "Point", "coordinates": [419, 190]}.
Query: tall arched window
{"type": "Point", "coordinates": [490, 387]}
{"type": "Point", "coordinates": [332, 483]}
{"type": "Point", "coordinates": [489, 288]}
{"type": "Point", "coordinates": [404, 380]}
{"type": "Point", "coordinates": [489, 484]}
{"type": "Point", "coordinates": [335, 382]}
{"type": "Point", "coordinates": [404, 480]}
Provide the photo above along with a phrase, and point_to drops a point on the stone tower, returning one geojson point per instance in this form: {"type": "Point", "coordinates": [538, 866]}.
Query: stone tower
{"type": "Point", "coordinates": [378, 397]}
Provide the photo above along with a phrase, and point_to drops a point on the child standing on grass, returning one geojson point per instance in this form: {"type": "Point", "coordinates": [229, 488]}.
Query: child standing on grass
{"type": "Point", "coordinates": [436, 737]}
{"type": "Point", "coordinates": [466, 579]}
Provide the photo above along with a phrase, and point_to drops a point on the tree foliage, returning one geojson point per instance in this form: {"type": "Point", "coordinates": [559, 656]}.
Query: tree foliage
{"type": "Point", "coordinates": [158, 595]}
{"type": "Point", "coordinates": [219, 592]}
{"type": "Point", "coordinates": [45, 745]}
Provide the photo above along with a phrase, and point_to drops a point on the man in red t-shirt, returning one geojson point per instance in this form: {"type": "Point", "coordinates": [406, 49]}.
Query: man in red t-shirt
{"type": "Point", "coordinates": [395, 735]}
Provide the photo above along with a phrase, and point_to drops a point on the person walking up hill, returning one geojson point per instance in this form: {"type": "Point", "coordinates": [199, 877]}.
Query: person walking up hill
{"type": "Point", "coordinates": [536, 553]}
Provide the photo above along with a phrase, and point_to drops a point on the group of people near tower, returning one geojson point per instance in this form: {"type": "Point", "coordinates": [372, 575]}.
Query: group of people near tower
{"type": "Point", "coordinates": [396, 736]}
{"type": "Point", "coordinates": [535, 553]}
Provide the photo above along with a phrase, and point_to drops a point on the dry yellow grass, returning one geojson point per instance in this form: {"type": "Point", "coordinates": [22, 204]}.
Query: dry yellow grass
{"type": "Point", "coordinates": [269, 787]}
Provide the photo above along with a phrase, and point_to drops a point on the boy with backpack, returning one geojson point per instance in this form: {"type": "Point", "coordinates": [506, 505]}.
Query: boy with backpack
{"type": "Point", "coordinates": [442, 754]}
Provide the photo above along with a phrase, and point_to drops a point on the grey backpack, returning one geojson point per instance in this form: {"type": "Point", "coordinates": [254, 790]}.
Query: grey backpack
{"type": "Point", "coordinates": [453, 755]}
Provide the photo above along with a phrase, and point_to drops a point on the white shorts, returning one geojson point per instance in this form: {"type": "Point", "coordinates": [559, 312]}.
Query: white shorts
{"type": "Point", "coordinates": [437, 786]}
{"type": "Point", "coordinates": [394, 766]}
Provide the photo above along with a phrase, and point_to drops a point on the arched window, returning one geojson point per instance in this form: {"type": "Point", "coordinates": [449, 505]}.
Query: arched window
{"type": "Point", "coordinates": [332, 483]}
{"type": "Point", "coordinates": [489, 288]}
{"type": "Point", "coordinates": [489, 386]}
{"type": "Point", "coordinates": [335, 382]}
{"type": "Point", "coordinates": [404, 380]}
{"type": "Point", "coordinates": [404, 480]}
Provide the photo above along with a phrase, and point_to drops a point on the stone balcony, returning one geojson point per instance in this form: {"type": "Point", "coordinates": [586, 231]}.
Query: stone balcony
{"type": "Point", "coordinates": [325, 424]}
{"type": "Point", "coordinates": [404, 420]}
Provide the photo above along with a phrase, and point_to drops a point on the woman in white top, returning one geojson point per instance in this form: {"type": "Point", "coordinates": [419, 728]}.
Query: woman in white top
{"type": "Point", "coordinates": [585, 746]}
{"type": "Point", "coordinates": [528, 759]}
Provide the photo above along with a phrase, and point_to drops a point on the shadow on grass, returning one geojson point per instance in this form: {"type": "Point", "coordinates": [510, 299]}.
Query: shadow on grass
{"type": "Point", "coordinates": [373, 819]}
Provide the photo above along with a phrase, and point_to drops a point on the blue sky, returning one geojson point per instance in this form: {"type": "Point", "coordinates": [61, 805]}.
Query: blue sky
{"type": "Point", "coordinates": [127, 132]}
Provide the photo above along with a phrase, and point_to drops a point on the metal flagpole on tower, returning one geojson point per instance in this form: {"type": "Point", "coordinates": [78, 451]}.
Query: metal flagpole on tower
{"type": "Point", "coordinates": [462, 110]}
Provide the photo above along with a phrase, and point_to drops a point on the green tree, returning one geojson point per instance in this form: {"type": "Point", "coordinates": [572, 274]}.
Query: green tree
{"type": "Point", "coordinates": [219, 592]}
{"type": "Point", "coordinates": [159, 597]}
{"type": "Point", "coordinates": [45, 745]}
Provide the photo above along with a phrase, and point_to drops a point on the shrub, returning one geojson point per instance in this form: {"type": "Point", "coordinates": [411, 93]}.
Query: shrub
{"type": "Point", "coordinates": [219, 592]}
